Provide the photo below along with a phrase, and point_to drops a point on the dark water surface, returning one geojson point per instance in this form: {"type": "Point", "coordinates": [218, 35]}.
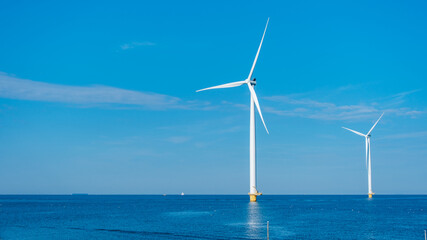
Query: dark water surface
{"type": "Point", "coordinates": [212, 217]}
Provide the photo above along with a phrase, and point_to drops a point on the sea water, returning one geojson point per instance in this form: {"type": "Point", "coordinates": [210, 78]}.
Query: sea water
{"type": "Point", "coordinates": [212, 217]}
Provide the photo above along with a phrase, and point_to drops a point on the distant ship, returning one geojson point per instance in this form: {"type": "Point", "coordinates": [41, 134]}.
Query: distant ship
{"type": "Point", "coordinates": [182, 194]}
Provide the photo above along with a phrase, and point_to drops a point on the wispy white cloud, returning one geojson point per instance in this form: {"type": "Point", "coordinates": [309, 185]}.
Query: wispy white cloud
{"type": "Point", "coordinates": [237, 105]}
{"type": "Point", "coordinates": [300, 106]}
{"type": "Point", "coordinates": [131, 45]}
{"type": "Point", "coordinates": [89, 96]}
{"type": "Point", "coordinates": [396, 99]}
{"type": "Point", "coordinates": [178, 139]}
{"type": "Point", "coordinates": [230, 129]}
{"type": "Point", "coordinates": [406, 135]}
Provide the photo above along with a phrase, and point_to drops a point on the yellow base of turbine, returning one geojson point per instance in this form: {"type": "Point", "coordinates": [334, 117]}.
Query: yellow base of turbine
{"type": "Point", "coordinates": [252, 196]}
{"type": "Point", "coordinates": [370, 195]}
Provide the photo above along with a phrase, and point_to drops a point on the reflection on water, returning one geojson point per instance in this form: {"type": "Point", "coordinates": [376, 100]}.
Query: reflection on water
{"type": "Point", "coordinates": [188, 213]}
{"type": "Point", "coordinates": [212, 217]}
{"type": "Point", "coordinates": [370, 220]}
{"type": "Point", "coordinates": [254, 226]}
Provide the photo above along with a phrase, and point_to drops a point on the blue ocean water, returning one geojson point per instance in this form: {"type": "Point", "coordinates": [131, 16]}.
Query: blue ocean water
{"type": "Point", "coordinates": [212, 217]}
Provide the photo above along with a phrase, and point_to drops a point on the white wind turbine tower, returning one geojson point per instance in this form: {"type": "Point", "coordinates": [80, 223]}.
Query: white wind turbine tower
{"type": "Point", "coordinates": [368, 153]}
{"type": "Point", "coordinates": [253, 193]}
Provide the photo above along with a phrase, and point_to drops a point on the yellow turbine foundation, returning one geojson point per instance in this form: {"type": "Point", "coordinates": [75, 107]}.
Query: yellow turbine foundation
{"type": "Point", "coordinates": [370, 195]}
{"type": "Point", "coordinates": [252, 197]}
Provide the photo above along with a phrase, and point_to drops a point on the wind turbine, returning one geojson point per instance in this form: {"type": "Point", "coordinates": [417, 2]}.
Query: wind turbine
{"type": "Point", "coordinates": [368, 153]}
{"type": "Point", "coordinates": [253, 192]}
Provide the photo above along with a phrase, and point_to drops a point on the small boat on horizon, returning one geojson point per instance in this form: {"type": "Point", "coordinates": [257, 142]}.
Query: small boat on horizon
{"type": "Point", "coordinates": [182, 193]}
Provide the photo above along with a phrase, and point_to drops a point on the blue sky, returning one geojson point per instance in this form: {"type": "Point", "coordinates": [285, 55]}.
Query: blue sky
{"type": "Point", "coordinates": [99, 97]}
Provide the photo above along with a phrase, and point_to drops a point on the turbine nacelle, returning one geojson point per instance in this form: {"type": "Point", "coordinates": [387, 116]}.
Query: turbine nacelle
{"type": "Point", "coordinates": [253, 82]}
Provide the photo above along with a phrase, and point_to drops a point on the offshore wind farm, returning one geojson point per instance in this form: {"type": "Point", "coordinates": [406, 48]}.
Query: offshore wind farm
{"type": "Point", "coordinates": [102, 135]}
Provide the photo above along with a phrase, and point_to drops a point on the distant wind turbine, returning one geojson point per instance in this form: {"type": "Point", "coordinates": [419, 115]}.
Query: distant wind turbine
{"type": "Point", "coordinates": [253, 193]}
{"type": "Point", "coordinates": [368, 153]}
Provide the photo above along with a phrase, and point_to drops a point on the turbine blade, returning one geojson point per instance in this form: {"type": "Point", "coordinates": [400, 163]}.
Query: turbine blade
{"type": "Point", "coordinates": [227, 85]}
{"type": "Point", "coordinates": [375, 124]}
{"type": "Point", "coordinates": [254, 97]}
{"type": "Point", "coordinates": [366, 143]}
{"type": "Point", "coordinates": [358, 133]}
{"type": "Point", "coordinates": [259, 48]}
